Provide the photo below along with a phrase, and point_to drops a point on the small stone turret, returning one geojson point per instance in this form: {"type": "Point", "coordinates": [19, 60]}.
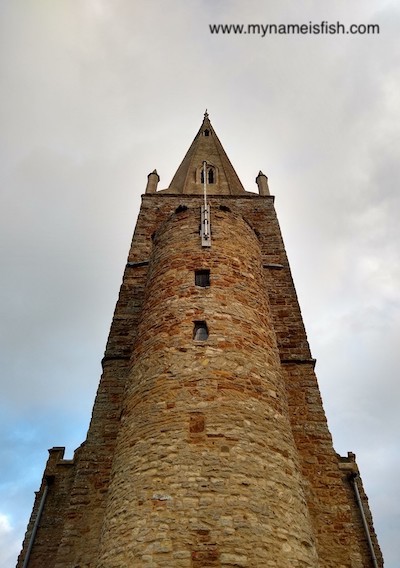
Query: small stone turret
{"type": "Point", "coordinates": [262, 182]}
{"type": "Point", "coordinates": [152, 181]}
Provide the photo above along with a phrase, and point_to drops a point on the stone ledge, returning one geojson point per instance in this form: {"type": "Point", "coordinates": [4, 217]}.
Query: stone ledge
{"type": "Point", "coordinates": [299, 362]}
{"type": "Point", "coordinates": [249, 195]}
{"type": "Point", "coordinates": [137, 264]}
{"type": "Point", "coordinates": [273, 266]}
{"type": "Point", "coordinates": [115, 357]}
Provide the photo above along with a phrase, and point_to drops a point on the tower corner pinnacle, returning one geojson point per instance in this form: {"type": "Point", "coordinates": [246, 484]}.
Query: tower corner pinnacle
{"type": "Point", "coordinates": [152, 181]}
{"type": "Point", "coordinates": [262, 183]}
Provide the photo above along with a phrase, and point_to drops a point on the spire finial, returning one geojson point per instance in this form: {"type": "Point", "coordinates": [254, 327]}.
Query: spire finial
{"type": "Point", "coordinates": [206, 114]}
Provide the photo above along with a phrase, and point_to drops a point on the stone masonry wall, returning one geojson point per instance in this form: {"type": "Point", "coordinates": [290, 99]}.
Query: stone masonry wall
{"type": "Point", "coordinates": [58, 478]}
{"type": "Point", "coordinates": [206, 471]}
{"type": "Point", "coordinates": [210, 401]}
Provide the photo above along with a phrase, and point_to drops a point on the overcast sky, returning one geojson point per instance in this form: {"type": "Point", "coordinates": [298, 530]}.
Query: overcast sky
{"type": "Point", "coordinates": [94, 95]}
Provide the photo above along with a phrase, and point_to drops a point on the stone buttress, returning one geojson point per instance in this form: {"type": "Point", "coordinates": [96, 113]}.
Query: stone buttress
{"type": "Point", "coordinates": [208, 444]}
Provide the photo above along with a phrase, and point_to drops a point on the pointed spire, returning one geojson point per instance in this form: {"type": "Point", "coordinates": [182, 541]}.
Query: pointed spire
{"type": "Point", "coordinates": [222, 178]}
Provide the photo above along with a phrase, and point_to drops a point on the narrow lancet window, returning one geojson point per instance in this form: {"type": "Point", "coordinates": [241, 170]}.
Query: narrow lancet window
{"type": "Point", "coordinates": [210, 175]}
{"type": "Point", "coordinates": [200, 331]}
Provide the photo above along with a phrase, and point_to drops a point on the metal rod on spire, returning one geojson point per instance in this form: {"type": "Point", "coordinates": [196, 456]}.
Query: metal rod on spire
{"type": "Point", "coordinates": [205, 182]}
{"type": "Point", "coordinates": [205, 213]}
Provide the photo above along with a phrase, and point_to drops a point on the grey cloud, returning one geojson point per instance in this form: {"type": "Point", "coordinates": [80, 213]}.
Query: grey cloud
{"type": "Point", "coordinates": [97, 95]}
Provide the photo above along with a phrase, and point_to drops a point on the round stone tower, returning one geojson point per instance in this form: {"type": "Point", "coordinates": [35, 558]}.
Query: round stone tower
{"type": "Point", "coordinates": [206, 471]}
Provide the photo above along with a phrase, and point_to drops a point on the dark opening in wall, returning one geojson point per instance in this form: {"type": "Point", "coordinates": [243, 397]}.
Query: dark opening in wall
{"type": "Point", "coordinates": [200, 331]}
{"type": "Point", "coordinates": [210, 175]}
{"type": "Point", "coordinates": [206, 132]}
{"type": "Point", "coordinates": [202, 278]}
{"type": "Point", "coordinates": [180, 209]}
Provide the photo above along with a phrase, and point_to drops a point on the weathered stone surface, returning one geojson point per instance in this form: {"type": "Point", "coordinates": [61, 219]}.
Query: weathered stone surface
{"type": "Point", "coordinates": [199, 418]}
{"type": "Point", "coordinates": [208, 453]}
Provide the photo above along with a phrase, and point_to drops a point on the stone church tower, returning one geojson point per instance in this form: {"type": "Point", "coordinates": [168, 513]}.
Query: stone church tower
{"type": "Point", "coordinates": [208, 444]}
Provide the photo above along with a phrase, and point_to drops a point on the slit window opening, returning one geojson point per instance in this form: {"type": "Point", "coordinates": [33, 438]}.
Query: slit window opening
{"type": "Point", "coordinates": [202, 278]}
{"type": "Point", "coordinates": [200, 331]}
